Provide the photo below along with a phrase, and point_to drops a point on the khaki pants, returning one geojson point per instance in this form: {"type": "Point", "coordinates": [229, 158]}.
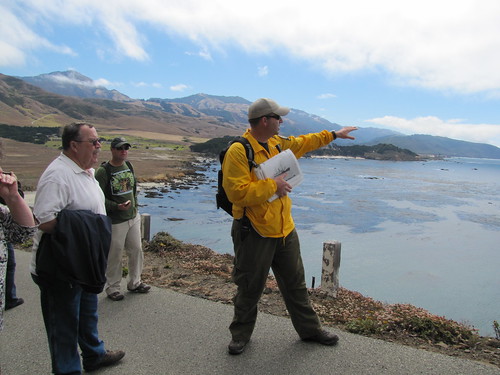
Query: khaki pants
{"type": "Point", "coordinates": [254, 256]}
{"type": "Point", "coordinates": [126, 235]}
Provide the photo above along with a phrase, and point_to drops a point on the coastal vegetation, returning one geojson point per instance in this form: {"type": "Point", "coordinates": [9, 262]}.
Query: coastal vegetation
{"type": "Point", "coordinates": [214, 146]}
{"type": "Point", "coordinates": [31, 134]}
{"type": "Point", "coordinates": [380, 151]}
{"type": "Point", "coordinates": [199, 271]}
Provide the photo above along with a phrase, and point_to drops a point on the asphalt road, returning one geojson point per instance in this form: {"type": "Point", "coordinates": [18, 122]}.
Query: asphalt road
{"type": "Point", "coordinates": [165, 332]}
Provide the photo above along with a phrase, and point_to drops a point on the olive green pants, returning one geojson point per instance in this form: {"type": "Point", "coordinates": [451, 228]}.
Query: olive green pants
{"type": "Point", "coordinates": [254, 257]}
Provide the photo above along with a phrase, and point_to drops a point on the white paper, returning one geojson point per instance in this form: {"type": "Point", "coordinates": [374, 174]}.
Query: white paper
{"type": "Point", "coordinates": [284, 162]}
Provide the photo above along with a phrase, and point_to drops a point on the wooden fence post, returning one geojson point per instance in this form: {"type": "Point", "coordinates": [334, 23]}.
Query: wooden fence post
{"type": "Point", "coordinates": [145, 226]}
{"type": "Point", "coordinates": [330, 268]}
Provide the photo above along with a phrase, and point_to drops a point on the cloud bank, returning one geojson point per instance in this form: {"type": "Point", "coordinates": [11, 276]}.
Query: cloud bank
{"type": "Point", "coordinates": [441, 45]}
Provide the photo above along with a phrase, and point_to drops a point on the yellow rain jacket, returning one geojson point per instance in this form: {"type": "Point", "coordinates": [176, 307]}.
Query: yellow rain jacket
{"type": "Point", "coordinates": [249, 195]}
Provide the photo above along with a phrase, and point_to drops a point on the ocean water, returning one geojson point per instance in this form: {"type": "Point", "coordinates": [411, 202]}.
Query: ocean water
{"type": "Point", "coordinates": [424, 233]}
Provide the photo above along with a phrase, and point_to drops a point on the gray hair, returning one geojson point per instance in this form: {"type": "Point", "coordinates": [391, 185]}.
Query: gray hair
{"type": "Point", "coordinates": [71, 132]}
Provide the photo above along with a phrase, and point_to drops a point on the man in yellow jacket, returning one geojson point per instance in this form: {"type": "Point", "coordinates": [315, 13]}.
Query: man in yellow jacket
{"type": "Point", "coordinates": [263, 232]}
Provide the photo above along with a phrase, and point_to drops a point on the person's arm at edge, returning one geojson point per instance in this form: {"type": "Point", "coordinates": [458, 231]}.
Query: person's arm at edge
{"type": "Point", "coordinates": [19, 209]}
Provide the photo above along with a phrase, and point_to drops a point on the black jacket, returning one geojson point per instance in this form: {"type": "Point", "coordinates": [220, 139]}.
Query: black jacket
{"type": "Point", "coordinates": [77, 251]}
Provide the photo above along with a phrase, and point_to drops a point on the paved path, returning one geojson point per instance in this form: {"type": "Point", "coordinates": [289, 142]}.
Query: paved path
{"type": "Point", "coordinates": [165, 332]}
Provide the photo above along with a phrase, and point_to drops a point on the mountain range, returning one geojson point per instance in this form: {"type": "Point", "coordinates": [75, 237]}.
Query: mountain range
{"type": "Point", "coordinates": [58, 98]}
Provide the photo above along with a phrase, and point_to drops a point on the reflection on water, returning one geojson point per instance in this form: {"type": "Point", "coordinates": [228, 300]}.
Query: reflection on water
{"type": "Point", "coordinates": [424, 233]}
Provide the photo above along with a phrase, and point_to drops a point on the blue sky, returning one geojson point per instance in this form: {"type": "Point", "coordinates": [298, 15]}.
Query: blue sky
{"type": "Point", "coordinates": [418, 67]}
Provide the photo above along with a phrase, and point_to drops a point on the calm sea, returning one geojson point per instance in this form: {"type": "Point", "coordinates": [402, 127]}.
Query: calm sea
{"type": "Point", "coordinates": [424, 233]}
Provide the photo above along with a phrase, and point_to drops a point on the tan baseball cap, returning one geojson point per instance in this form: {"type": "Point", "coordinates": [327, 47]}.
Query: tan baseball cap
{"type": "Point", "coordinates": [265, 106]}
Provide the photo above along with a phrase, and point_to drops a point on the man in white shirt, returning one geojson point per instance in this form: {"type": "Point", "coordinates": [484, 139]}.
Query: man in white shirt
{"type": "Point", "coordinates": [69, 312]}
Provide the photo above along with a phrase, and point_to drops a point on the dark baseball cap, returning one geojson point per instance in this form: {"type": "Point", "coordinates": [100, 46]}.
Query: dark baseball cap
{"type": "Point", "coordinates": [119, 142]}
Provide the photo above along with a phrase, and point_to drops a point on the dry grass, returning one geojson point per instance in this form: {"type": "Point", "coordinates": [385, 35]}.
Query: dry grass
{"type": "Point", "coordinates": [29, 161]}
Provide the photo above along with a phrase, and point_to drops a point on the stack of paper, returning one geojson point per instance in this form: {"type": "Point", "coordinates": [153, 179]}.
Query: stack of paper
{"type": "Point", "coordinates": [284, 162]}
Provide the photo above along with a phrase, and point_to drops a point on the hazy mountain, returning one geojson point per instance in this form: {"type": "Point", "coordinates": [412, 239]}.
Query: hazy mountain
{"type": "Point", "coordinates": [428, 144]}
{"type": "Point", "coordinates": [234, 109]}
{"type": "Point", "coordinates": [212, 116]}
{"type": "Point", "coordinates": [72, 83]}
{"type": "Point", "coordinates": [23, 104]}
{"type": "Point", "coordinates": [229, 109]}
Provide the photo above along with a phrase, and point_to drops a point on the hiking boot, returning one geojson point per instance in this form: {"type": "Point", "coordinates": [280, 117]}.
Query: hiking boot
{"type": "Point", "coordinates": [13, 303]}
{"type": "Point", "coordinates": [323, 337]}
{"type": "Point", "coordinates": [236, 346]}
{"type": "Point", "coordinates": [142, 288]}
{"type": "Point", "coordinates": [107, 359]}
{"type": "Point", "coordinates": [116, 296]}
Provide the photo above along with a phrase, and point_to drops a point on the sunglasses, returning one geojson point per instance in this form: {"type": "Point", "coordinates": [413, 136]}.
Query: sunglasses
{"type": "Point", "coordinates": [93, 141]}
{"type": "Point", "coordinates": [277, 117]}
{"type": "Point", "coordinates": [122, 148]}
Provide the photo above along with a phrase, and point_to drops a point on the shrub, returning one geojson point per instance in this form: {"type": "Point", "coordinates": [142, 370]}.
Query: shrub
{"type": "Point", "coordinates": [365, 326]}
{"type": "Point", "coordinates": [162, 241]}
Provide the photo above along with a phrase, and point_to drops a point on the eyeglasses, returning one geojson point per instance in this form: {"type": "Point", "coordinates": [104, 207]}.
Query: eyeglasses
{"type": "Point", "coordinates": [93, 141]}
{"type": "Point", "coordinates": [277, 117]}
{"type": "Point", "coordinates": [121, 148]}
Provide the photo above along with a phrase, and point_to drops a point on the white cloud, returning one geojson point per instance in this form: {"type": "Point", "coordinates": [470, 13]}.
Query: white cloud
{"type": "Point", "coordinates": [17, 40]}
{"type": "Point", "coordinates": [103, 82]}
{"type": "Point", "coordinates": [203, 53]}
{"type": "Point", "coordinates": [179, 87]}
{"type": "Point", "coordinates": [443, 45]}
{"type": "Point", "coordinates": [326, 96]}
{"type": "Point", "coordinates": [452, 128]}
{"type": "Point", "coordinates": [263, 71]}
{"type": "Point", "coordinates": [141, 84]}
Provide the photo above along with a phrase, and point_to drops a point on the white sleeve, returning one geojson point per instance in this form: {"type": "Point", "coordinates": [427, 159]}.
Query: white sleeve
{"type": "Point", "coordinates": [50, 199]}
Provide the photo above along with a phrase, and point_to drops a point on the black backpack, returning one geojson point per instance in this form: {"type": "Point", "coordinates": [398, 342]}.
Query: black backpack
{"type": "Point", "coordinates": [221, 196]}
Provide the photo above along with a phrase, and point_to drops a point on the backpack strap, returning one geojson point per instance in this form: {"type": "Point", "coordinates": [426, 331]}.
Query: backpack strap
{"type": "Point", "coordinates": [129, 164]}
{"type": "Point", "coordinates": [248, 150]}
{"type": "Point", "coordinates": [251, 163]}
